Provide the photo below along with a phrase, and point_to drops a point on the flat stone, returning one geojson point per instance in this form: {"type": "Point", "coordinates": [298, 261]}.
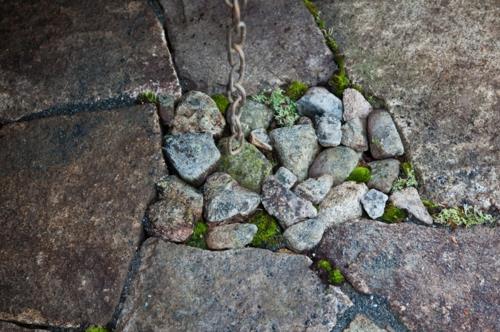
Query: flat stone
{"type": "Point", "coordinates": [272, 50]}
{"type": "Point", "coordinates": [249, 167]}
{"type": "Point", "coordinates": [384, 173]}
{"type": "Point", "coordinates": [74, 192]}
{"type": "Point", "coordinates": [383, 136]}
{"type": "Point", "coordinates": [343, 203]}
{"type": "Point", "coordinates": [260, 139]}
{"type": "Point", "coordinates": [285, 177]}
{"type": "Point", "coordinates": [9, 327]}
{"type": "Point", "coordinates": [409, 200]}
{"type": "Point", "coordinates": [255, 115]}
{"type": "Point", "coordinates": [314, 190]}
{"type": "Point", "coordinates": [328, 131]}
{"type": "Point", "coordinates": [193, 155]}
{"type": "Point", "coordinates": [354, 135]}
{"type": "Point", "coordinates": [225, 200]}
{"type": "Point", "coordinates": [430, 276]}
{"type": "Point", "coordinates": [337, 162]}
{"type": "Point", "coordinates": [282, 203]}
{"type": "Point", "coordinates": [304, 235]}
{"type": "Point", "coordinates": [82, 52]}
{"type": "Point", "coordinates": [245, 290]}
{"type": "Point", "coordinates": [355, 105]}
{"type": "Point", "coordinates": [440, 85]}
{"type": "Point", "coordinates": [231, 236]}
{"type": "Point", "coordinates": [374, 203]}
{"type": "Point", "coordinates": [198, 113]}
{"type": "Point", "coordinates": [173, 216]}
{"type": "Point", "coordinates": [296, 147]}
{"type": "Point", "coordinates": [319, 101]}
{"type": "Point", "coordinates": [361, 323]}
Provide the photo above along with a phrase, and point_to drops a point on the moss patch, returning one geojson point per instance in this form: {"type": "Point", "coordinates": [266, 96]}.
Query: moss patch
{"type": "Point", "coordinates": [431, 207]}
{"type": "Point", "coordinates": [95, 328]}
{"type": "Point", "coordinates": [147, 97]}
{"type": "Point", "coordinates": [197, 239]}
{"type": "Point", "coordinates": [334, 275]}
{"type": "Point", "coordinates": [268, 234]}
{"type": "Point", "coordinates": [222, 102]}
{"type": "Point", "coordinates": [360, 174]}
{"type": "Point", "coordinates": [393, 214]}
{"type": "Point", "coordinates": [296, 90]}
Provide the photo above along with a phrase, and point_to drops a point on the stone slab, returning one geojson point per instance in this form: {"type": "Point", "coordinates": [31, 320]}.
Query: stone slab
{"type": "Point", "coordinates": [283, 44]}
{"type": "Point", "coordinates": [437, 65]}
{"type": "Point", "coordinates": [79, 51]}
{"type": "Point", "coordinates": [435, 279]}
{"type": "Point", "coordinates": [74, 192]}
{"type": "Point", "coordinates": [180, 288]}
{"type": "Point", "coordinates": [9, 327]}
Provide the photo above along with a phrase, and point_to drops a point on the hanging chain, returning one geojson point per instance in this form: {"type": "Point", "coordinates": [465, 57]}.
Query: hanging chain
{"type": "Point", "coordinates": [235, 92]}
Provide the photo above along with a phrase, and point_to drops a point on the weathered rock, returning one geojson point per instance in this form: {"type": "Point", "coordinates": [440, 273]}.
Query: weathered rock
{"type": "Point", "coordinates": [374, 203]}
{"type": "Point", "coordinates": [10, 327]}
{"type": "Point", "coordinates": [383, 136]}
{"type": "Point", "coordinates": [318, 101]}
{"type": "Point", "coordinates": [409, 200]}
{"type": "Point", "coordinates": [249, 167]}
{"type": "Point", "coordinates": [304, 120]}
{"type": "Point", "coordinates": [304, 235]}
{"type": "Point", "coordinates": [166, 109]}
{"type": "Point", "coordinates": [328, 130]}
{"type": "Point", "coordinates": [337, 162]}
{"type": "Point", "coordinates": [198, 113]}
{"type": "Point", "coordinates": [361, 323]}
{"type": "Point", "coordinates": [173, 216]}
{"type": "Point", "coordinates": [314, 190]}
{"type": "Point", "coordinates": [280, 202]}
{"type": "Point", "coordinates": [193, 155]}
{"type": "Point", "coordinates": [193, 26]}
{"type": "Point", "coordinates": [82, 52]}
{"type": "Point", "coordinates": [285, 177]}
{"type": "Point", "coordinates": [245, 290]}
{"type": "Point", "coordinates": [296, 148]}
{"type": "Point", "coordinates": [260, 139]}
{"type": "Point", "coordinates": [384, 173]}
{"type": "Point", "coordinates": [225, 200]}
{"type": "Point", "coordinates": [355, 105]}
{"type": "Point", "coordinates": [440, 85]}
{"type": "Point", "coordinates": [343, 203]}
{"type": "Point", "coordinates": [354, 135]}
{"type": "Point", "coordinates": [231, 236]}
{"type": "Point", "coordinates": [432, 277]}
{"type": "Point", "coordinates": [74, 192]}
{"type": "Point", "coordinates": [255, 115]}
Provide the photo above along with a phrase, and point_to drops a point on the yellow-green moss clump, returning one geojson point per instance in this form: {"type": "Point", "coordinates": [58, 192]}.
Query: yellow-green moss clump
{"type": "Point", "coordinates": [268, 234]}
{"type": "Point", "coordinates": [335, 276]}
{"type": "Point", "coordinates": [221, 101]}
{"type": "Point", "coordinates": [147, 97]}
{"type": "Point", "coordinates": [465, 216]}
{"type": "Point", "coordinates": [197, 239]}
{"type": "Point", "coordinates": [393, 214]}
{"type": "Point", "coordinates": [95, 328]}
{"type": "Point", "coordinates": [360, 174]}
{"type": "Point", "coordinates": [407, 180]}
{"type": "Point", "coordinates": [296, 89]}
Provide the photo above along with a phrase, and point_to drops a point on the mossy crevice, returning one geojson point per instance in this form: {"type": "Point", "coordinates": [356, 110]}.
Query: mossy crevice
{"type": "Point", "coordinates": [147, 97]}
{"type": "Point", "coordinates": [296, 90]}
{"type": "Point", "coordinates": [221, 101]}
{"type": "Point", "coordinates": [393, 214]}
{"type": "Point", "coordinates": [332, 273]}
{"type": "Point", "coordinates": [197, 239]}
{"type": "Point", "coordinates": [269, 234]}
{"type": "Point", "coordinates": [95, 328]}
{"type": "Point", "coordinates": [361, 174]}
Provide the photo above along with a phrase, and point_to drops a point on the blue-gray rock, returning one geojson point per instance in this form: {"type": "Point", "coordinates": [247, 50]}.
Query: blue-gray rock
{"type": "Point", "coordinates": [232, 236]}
{"type": "Point", "coordinates": [304, 235]}
{"type": "Point", "coordinates": [255, 115]}
{"type": "Point", "coordinates": [260, 139]}
{"type": "Point", "coordinates": [383, 136]}
{"type": "Point", "coordinates": [343, 203]}
{"type": "Point", "coordinates": [384, 173]}
{"type": "Point", "coordinates": [193, 155]}
{"type": "Point", "coordinates": [355, 105]}
{"type": "Point", "coordinates": [318, 101]}
{"type": "Point", "coordinates": [338, 162]}
{"type": "Point", "coordinates": [409, 200]}
{"type": "Point", "coordinates": [285, 177]}
{"type": "Point", "coordinates": [314, 190]}
{"type": "Point", "coordinates": [328, 130]}
{"type": "Point", "coordinates": [354, 135]}
{"type": "Point", "coordinates": [374, 203]}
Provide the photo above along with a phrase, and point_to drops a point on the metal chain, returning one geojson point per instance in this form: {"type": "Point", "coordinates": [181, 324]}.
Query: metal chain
{"type": "Point", "coordinates": [235, 92]}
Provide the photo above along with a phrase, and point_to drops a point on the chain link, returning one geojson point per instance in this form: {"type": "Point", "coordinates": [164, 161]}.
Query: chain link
{"type": "Point", "coordinates": [235, 92]}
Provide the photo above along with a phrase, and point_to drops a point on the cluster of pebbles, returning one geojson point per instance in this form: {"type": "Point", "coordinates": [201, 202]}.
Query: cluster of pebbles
{"type": "Point", "coordinates": [296, 174]}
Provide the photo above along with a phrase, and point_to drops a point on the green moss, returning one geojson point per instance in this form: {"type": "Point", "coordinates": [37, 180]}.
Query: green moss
{"type": "Point", "coordinates": [95, 328]}
{"type": "Point", "coordinates": [296, 90]}
{"type": "Point", "coordinates": [393, 214]}
{"type": "Point", "coordinates": [465, 216]}
{"type": "Point", "coordinates": [324, 265]}
{"type": "Point", "coordinates": [197, 239]}
{"type": "Point", "coordinates": [360, 174]}
{"type": "Point", "coordinates": [431, 207]}
{"type": "Point", "coordinates": [335, 276]}
{"type": "Point", "coordinates": [147, 97]}
{"type": "Point", "coordinates": [268, 234]}
{"type": "Point", "coordinates": [221, 101]}
{"type": "Point", "coordinates": [312, 8]}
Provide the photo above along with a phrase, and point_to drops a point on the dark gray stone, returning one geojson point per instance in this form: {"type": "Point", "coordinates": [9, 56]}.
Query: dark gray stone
{"type": "Point", "coordinates": [383, 136]}
{"type": "Point", "coordinates": [374, 203]}
{"type": "Point", "coordinates": [74, 192]}
{"type": "Point", "coordinates": [319, 101]}
{"type": "Point", "coordinates": [232, 236]}
{"type": "Point", "coordinates": [337, 162]}
{"type": "Point", "coordinates": [58, 53]}
{"type": "Point", "coordinates": [354, 135]}
{"type": "Point", "coordinates": [272, 49]}
{"type": "Point", "coordinates": [435, 279]}
{"type": "Point", "coordinates": [328, 130]}
{"type": "Point", "coordinates": [314, 190]}
{"type": "Point", "coordinates": [384, 173]}
{"type": "Point", "coordinates": [304, 235]}
{"type": "Point", "coordinates": [343, 203]}
{"type": "Point", "coordinates": [255, 115]}
{"type": "Point", "coordinates": [166, 109]}
{"type": "Point", "coordinates": [285, 177]}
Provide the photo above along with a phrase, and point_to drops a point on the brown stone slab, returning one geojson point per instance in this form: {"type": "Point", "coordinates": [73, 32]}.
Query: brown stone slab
{"type": "Point", "coordinates": [283, 44]}
{"type": "Point", "coordinates": [73, 192]}
{"type": "Point", "coordinates": [437, 64]}
{"type": "Point", "coordinates": [78, 51]}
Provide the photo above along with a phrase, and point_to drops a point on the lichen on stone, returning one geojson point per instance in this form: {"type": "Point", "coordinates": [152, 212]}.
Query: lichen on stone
{"type": "Point", "coordinates": [464, 216]}
{"type": "Point", "coordinates": [334, 275]}
{"type": "Point", "coordinates": [407, 180]}
{"type": "Point", "coordinates": [221, 101]}
{"type": "Point", "coordinates": [360, 174]}
{"type": "Point", "coordinates": [197, 239]}
{"type": "Point", "coordinates": [284, 108]}
{"type": "Point", "coordinates": [393, 214]}
{"type": "Point", "coordinates": [269, 235]}
{"type": "Point", "coordinates": [296, 89]}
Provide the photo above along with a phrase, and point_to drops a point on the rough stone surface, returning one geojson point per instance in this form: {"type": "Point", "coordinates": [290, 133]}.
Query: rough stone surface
{"type": "Point", "coordinates": [198, 113]}
{"type": "Point", "coordinates": [343, 203]}
{"type": "Point", "coordinates": [434, 278]}
{"type": "Point", "coordinates": [193, 155]}
{"type": "Point", "coordinates": [361, 323]}
{"type": "Point", "coordinates": [260, 139]}
{"type": "Point", "coordinates": [249, 167]}
{"type": "Point", "coordinates": [173, 216]}
{"type": "Point", "coordinates": [296, 148]}
{"type": "Point", "coordinates": [82, 51]}
{"type": "Point", "coordinates": [255, 115]}
{"type": "Point", "coordinates": [355, 105]}
{"type": "Point", "coordinates": [409, 200]}
{"type": "Point", "coordinates": [438, 67]}
{"type": "Point", "coordinates": [354, 135]}
{"type": "Point", "coordinates": [225, 200]}
{"type": "Point", "coordinates": [384, 173]}
{"type": "Point", "coordinates": [9, 327]}
{"type": "Point", "coordinates": [374, 203]}
{"type": "Point", "coordinates": [285, 177]}
{"type": "Point", "coordinates": [231, 236]}
{"type": "Point", "coordinates": [74, 192]}
{"type": "Point", "coordinates": [314, 190]}
{"type": "Point", "coordinates": [282, 203]}
{"type": "Point", "coordinates": [328, 130]}
{"type": "Point", "coordinates": [337, 162]}
{"type": "Point", "coordinates": [272, 48]}
{"type": "Point", "coordinates": [383, 136]}
{"type": "Point", "coordinates": [304, 235]}
{"type": "Point", "coordinates": [319, 101]}
{"type": "Point", "coordinates": [166, 109]}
